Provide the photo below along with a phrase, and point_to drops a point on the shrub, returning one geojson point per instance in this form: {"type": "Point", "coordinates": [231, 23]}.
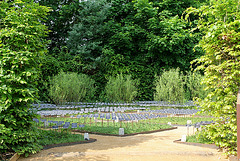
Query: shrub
{"type": "Point", "coordinates": [22, 44]}
{"type": "Point", "coordinates": [121, 89]}
{"type": "Point", "coordinates": [170, 86]}
{"type": "Point", "coordinates": [220, 63]}
{"type": "Point", "coordinates": [71, 87]}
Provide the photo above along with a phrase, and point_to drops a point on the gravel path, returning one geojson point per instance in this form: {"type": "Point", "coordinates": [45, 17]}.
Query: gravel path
{"type": "Point", "coordinates": [144, 147]}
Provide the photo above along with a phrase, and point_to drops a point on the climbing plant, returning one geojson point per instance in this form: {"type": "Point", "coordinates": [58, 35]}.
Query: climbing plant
{"type": "Point", "coordinates": [22, 44]}
{"type": "Point", "coordinates": [220, 23]}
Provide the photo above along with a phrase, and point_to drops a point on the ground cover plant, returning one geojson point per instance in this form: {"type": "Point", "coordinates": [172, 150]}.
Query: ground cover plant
{"type": "Point", "coordinates": [182, 120]}
{"type": "Point", "coordinates": [50, 137]}
{"type": "Point", "coordinates": [198, 139]}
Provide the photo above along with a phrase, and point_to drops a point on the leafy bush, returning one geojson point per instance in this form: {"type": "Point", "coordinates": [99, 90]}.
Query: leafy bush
{"type": "Point", "coordinates": [197, 138]}
{"type": "Point", "coordinates": [221, 67]}
{"type": "Point", "coordinates": [71, 87]}
{"type": "Point", "coordinates": [22, 44]}
{"type": "Point", "coordinates": [170, 86]}
{"type": "Point", "coordinates": [121, 89]}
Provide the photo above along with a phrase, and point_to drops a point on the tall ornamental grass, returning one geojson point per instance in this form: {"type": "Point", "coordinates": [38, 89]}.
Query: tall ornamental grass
{"type": "Point", "coordinates": [174, 86]}
{"type": "Point", "coordinates": [170, 86]}
{"type": "Point", "coordinates": [121, 89]}
{"type": "Point", "coordinates": [71, 87]}
{"type": "Point", "coordinates": [194, 87]}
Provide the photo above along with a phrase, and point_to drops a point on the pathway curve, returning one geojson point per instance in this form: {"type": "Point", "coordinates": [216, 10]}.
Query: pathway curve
{"type": "Point", "coordinates": [144, 147]}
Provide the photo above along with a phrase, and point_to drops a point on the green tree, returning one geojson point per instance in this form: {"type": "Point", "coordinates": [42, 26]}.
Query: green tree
{"type": "Point", "coordinates": [220, 24]}
{"type": "Point", "coordinates": [86, 37]}
{"type": "Point", "coordinates": [147, 38]}
{"type": "Point", "coordinates": [21, 48]}
{"type": "Point", "coordinates": [104, 38]}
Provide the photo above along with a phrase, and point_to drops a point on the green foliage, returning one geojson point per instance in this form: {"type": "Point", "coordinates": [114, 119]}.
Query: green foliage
{"type": "Point", "coordinates": [140, 38]}
{"type": "Point", "coordinates": [21, 48]}
{"type": "Point", "coordinates": [50, 137]}
{"type": "Point", "coordinates": [121, 89]}
{"type": "Point", "coordinates": [198, 139]}
{"type": "Point", "coordinates": [220, 24]}
{"type": "Point", "coordinates": [170, 86]}
{"type": "Point", "coordinates": [61, 18]}
{"type": "Point", "coordinates": [174, 86]}
{"type": "Point", "coordinates": [146, 39]}
{"type": "Point", "coordinates": [194, 88]}
{"type": "Point", "coordinates": [71, 87]}
{"type": "Point", "coordinates": [86, 37]}
{"type": "Point", "coordinates": [111, 128]}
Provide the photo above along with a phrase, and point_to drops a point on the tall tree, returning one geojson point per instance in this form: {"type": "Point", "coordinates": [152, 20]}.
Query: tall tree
{"type": "Point", "coordinates": [146, 39]}
{"type": "Point", "coordinates": [86, 37]}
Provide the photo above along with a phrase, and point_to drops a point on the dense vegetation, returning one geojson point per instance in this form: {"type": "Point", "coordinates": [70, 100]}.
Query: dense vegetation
{"type": "Point", "coordinates": [22, 45]}
{"type": "Point", "coordinates": [174, 86]}
{"type": "Point", "coordinates": [141, 38]}
{"type": "Point", "coordinates": [51, 137]}
{"type": "Point", "coordinates": [71, 87]}
{"type": "Point", "coordinates": [220, 24]}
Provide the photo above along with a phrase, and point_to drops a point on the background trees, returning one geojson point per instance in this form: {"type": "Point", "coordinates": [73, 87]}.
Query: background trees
{"type": "Point", "coordinates": [140, 38]}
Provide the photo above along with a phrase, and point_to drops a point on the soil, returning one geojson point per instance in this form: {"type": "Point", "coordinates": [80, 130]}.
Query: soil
{"type": "Point", "coordinates": [157, 146]}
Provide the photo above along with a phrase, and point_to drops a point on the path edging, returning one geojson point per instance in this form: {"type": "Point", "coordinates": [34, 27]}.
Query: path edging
{"type": "Point", "coordinates": [14, 157]}
{"type": "Point", "coordinates": [212, 146]}
{"type": "Point", "coordinates": [69, 144]}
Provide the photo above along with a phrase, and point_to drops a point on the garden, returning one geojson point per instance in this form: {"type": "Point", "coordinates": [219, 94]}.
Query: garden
{"type": "Point", "coordinates": [139, 66]}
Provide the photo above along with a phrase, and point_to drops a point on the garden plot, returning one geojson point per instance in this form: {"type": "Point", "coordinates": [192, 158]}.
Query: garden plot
{"type": "Point", "coordinates": [108, 119]}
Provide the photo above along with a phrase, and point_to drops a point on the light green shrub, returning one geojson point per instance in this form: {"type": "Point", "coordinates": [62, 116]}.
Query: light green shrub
{"type": "Point", "coordinates": [121, 89]}
{"type": "Point", "coordinates": [71, 87]}
{"type": "Point", "coordinates": [170, 86]}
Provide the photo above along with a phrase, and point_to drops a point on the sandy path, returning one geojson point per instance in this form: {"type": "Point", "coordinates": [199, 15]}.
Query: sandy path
{"type": "Point", "coordinates": [145, 147]}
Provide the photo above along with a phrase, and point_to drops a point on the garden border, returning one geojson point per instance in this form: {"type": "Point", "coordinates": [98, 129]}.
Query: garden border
{"type": "Point", "coordinates": [212, 146]}
{"type": "Point", "coordinates": [68, 144]}
{"type": "Point", "coordinates": [146, 132]}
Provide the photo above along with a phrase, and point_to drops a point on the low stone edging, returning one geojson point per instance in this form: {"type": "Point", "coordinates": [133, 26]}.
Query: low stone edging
{"type": "Point", "coordinates": [14, 157]}
{"type": "Point", "coordinates": [212, 146]}
{"type": "Point", "coordinates": [69, 144]}
{"type": "Point", "coordinates": [147, 132]}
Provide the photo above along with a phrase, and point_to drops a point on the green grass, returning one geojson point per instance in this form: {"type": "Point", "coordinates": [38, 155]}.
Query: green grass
{"type": "Point", "coordinates": [164, 120]}
{"type": "Point", "coordinates": [181, 120]}
{"type": "Point", "coordinates": [198, 139]}
{"type": "Point", "coordinates": [129, 128]}
{"type": "Point", "coordinates": [48, 137]}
